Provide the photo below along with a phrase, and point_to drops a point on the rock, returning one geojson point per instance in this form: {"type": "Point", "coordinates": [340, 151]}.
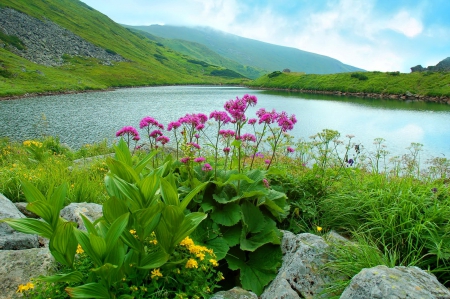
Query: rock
{"type": "Point", "coordinates": [72, 212]}
{"type": "Point", "coordinates": [398, 282]}
{"type": "Point", "coordinates": [22, 207]}
{"type": "Point", "coordinates": [9, 238]}
{"type": "Point", "coordinates": [18, 266]}
{"type": "Point", "coordinates": [442, 66]}
{"type": "Point", "coordinates": [299, 276]}
{"type": "Point", "coordinates": [234, 293]}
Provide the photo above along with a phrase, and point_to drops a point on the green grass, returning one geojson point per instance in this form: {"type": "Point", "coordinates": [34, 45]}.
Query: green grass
{"type": "Point", "coordinates": [426, 84]}
{"type": "Point", "coordinates": [148, 63]}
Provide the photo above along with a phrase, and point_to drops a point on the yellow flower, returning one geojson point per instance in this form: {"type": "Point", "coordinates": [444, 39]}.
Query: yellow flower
{"type": "Point", "coordinates": [154, 241]}
{"type": "Point", "coordinates": [156, 273]}
{"type": "Point", "coordinates": [30, 285]}
{"type": "Point", "coordinates": [214, 262]}
{"type": "Point", "coordinates": [79, 249]}
{"type": "Point", "coordinates": [24, 287]}
{"type": "Point", "coordinates": [187, 242]}
{"type": "Point", "coordinates": [220, 276]}
{"type": "Point", "coordinates": [319, 229]}
{"type": "Point", "coordinates": [132, 231]}
{"type": "Point", "coordinates": [201, 256]}
{"type": "Point", "coordinates": [191, 263]}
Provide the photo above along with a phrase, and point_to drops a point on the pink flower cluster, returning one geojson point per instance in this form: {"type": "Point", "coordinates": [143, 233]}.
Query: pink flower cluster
{"type": "Point", "coordinates": [285, 122]}
{"type": "Point", "coordinates": [129, 130]}
{"type": "Point", "coordinates": [236, 108]}
{"type": "Point", "coordinates": [149, 121]}
{"type": "Point", "coordinates": [226, 133]}
{"type": "Point", "coordinates": [248, 137]}
{"type": "Point", "coordinates": [220, 116]}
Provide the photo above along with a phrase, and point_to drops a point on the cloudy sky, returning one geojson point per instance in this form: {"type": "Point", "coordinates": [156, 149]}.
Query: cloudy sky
{"type": "Point", "coordinates": [383, 35]}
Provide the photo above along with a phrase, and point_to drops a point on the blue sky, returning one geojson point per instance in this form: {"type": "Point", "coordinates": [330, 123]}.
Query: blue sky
{"type": "Point", "coordinates": [383, 35]}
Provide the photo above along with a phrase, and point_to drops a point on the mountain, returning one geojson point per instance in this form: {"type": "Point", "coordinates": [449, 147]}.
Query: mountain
{"type": "Point", "coordinates": [65, 45]}
{"type": "Point", "coordinates": [442, 66]}
{"type": "Point", "coordinates": [249, 52]}
{"type": "Point", "coordinates": [201, 52]}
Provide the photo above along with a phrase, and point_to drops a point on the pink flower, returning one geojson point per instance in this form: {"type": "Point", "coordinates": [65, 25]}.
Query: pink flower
{"type": "Point", "coordinates": [197, 136]}
{"type": "Point", "coordinates": [200, 127]}
{"type": "Point", "coordinates": [206, 167]}
{"type": "Point", "coordinates": [250, 99]}
{"type": "Point", "coordinates": [226, 150]}
{"type": "Point", "coordinates": [220, 116]}
{"type": "Point", "coordinates": [266, 183]}
{"type": "Point", "coordinates": [185, 160]}
{"type": "Point", "coordinates": [290, 149]}
{"type": "Point", "coordinates": [248, 137]}
{"type": "Point", "coordinates": [128, 130]}
{"type": "Point", "coordinates": [148, 121]}
{"type": "Point", "coordinates": [193, 144]}
{"type": "Point", "coordinates": [267, 161]}
{"type": "Point", "coordinates": [252, 121]}
{"type": "Point", "coordinates": [155, 133]}
{"type": "Point", "coordinates": [199, 159]}
{"type": "Point", "coordinates": [173, 125]}
{"type": "Point", "coordinates": [226, 133]}
{"type": "Point", "coordinates": [163, 139]}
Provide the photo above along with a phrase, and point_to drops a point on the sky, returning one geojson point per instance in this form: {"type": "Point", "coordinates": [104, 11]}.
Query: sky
{"type": "Point", "coordinates": [375, 35]}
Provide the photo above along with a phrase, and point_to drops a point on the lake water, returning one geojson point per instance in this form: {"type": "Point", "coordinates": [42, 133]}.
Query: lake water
{"type": "Point", "coordinates": [89, 117]}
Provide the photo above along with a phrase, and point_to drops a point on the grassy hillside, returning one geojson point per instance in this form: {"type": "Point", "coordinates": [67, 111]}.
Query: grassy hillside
{"type": "Point", "coordinates": [149, 63]}
{"type": "Point", "coordinates": [427, 84]}
{"type": "Point", "coordinates": [201, 52]}
{"type": "Point", "coordinates": [251, 52]}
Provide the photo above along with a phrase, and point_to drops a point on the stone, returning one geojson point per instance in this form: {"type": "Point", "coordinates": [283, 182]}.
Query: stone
{"type": "Point", "coordinates": [18, 266]}
{"type": "Point", "coordinates": [10, 239]}
{"type": "Point", "coordinates": [235, 293]}
{"type": "Point", "coordinates": [22, 207]}
{"type": "Point", "coordinates": [72, 212]}
{"type": "Point", "coordinates": [398, 282]}
{"type": "Point", "coordinates": [300, 275]}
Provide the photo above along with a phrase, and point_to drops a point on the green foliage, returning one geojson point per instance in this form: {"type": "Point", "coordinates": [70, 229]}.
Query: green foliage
{"type": "Point", "coordinates": [274, 74]}
{"type": "Point", "coordinates": [226, 73]}
{"type": "Point", "coordinates": [12, 40]}
{"type": "Point", "coordinates": [359, 76]}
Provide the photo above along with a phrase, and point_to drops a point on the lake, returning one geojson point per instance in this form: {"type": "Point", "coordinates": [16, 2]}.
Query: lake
{"type": "Point", "coordinates": [90, 117]}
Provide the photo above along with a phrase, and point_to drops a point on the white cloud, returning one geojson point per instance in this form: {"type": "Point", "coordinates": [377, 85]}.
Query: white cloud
{"type": "Point", "coordinates": [404, 23]}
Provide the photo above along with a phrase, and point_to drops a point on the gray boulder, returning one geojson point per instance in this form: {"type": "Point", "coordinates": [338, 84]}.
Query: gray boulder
{"type": "Point", "coordinates": [19, 266]}
{"type": "Point", "coordinates": [300, 275]}
{"type": "Point", "coordinates": [399, 282]}
{"type": "Point", "coordinates": [9, 238]}
{"type": "Point", "coordinates": [22, 207]}
{"type": "Point", "coordinates": [72, 212]}
{"type": "Point", "coordinates": [234, 293]}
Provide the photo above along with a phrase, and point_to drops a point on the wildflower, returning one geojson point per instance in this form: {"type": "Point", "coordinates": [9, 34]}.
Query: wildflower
{"type": "Point", "coordinates": [266, 183]}
{"type": "Point", "coordinates": [196, 136]}
{"type": "Point", "coordinates": [290, 149]}
{"type": "Point", "coordinates": [133, 288]}
{"type": "Point", "coordinates": [226, 150]}
{"type": "Point", "coordinates": [148, 121]}
{"type": "Point", "coordinates": [132, 231]}
{"type": "Point", "coordinates": [25, 287]}
{"type": "Point", "coordinates": [267, 161]}
{"type": "Point", "coordinates": [226, 133]}
{"type": "Point", "coordinates": [434, 190]}
{"type": "Point", "coordinates": [214, 262]}
{"type": "Point", "coordinates": [252, 121]}
{"type": "Point", "coordinates": [220, 116]}
{"type": "Point", "coordinates": [220, 276]}
{"type": "Point", "coordinates": [199, 159]}
{"type": "Point", "coordinates": [349, 136]}
{"type": "Point", "coordinates": [129, 130]}
{"type": "Point", "coordinates": [154, 241]}
{"type": "Point", "coordinates": [173, 125]}
{"type": "Point", "coordinates": [200, 127]}
{"type": "Point", "coordinates": [155, 133]}
{"type": "Point", "coordinates": [319, 229]}
{"type": "Point", "coordinates": [163, 139]}
{"type": "Point", "coordinates": [185, 160]}
{"type": "Point", "coordinates": [79, 249]}
{"type": "Point", "coordinates": [187, 242]}
{"type": "Point", "coordinates": [206, 167]}
{"type": "Point", "coordinates": [191, 263]}
{"type": "Point", "coordinates": [350, 162]}
{"type": "Point", "coordinates": [193, 144]}
{"type": "Point", "coordinates": [200, 255]}
{"type": "Point", "coordinates": [156, 273]}
{"type": "Point", "coordinates": [248, 137]}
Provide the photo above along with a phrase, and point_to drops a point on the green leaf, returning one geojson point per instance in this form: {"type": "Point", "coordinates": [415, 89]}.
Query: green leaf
{"type": "Point", "coordinates": [147, 219]}
{"type": "Point", "coordinates": [122, 170]}
{"type": "Point", "coordinates": [171, 219]}
{"type": "Point", "coordinates": [231, 234]}
{"type": "Point", "coordinates": [260, 268]}
{"type": "Point", "coordinates": [44, 210]}
{"type": "Point", "coordinates": [88, 224]}
{"type": "Point", "coordinates": [57, 202]}
{"type": "Point", "coordinates": [113, 208]}
{"type": "Point", "coordinates": [124, 190]}
{"type": "Point", "coordinates": [269, 234]}
{"type": "Point", "coordinates": [90, 290]}
{"type": "Point", "coordinates": [154, 260]}
{"type": "Point", "coordinates": [116, 229]}
{"type": "Point", "coordinates": [149, 186]}
{"type": "Point", "coordinates": [116, 254]}
{"type": "Point", "coordinates": [252, 218]}
{"type": "Point", "coordinates": [189, 224]}
{"type": "Point", "coordinates": [219, 246]}
{"type": "Point", "coordinates": [30, 226]}
{"type": "Point", "coordinates": [76, 276]}
{"type": "Point", "coordinates": [227, 215]}
{"type": "Point", "coordinates": [239, 177]}
{"type": "Point", "coordinates": [98, 245]}
{"type": "Point", "coordinates": [63, 243]}
{"type": "Point", "coordinates": [83, 240]}
{"type": "Point", "coordinates": [122, 153]}
{"type": "Point", "coordinates": [31, 192]}
{"type": "Point", "coordinates": [276, 203]}
{"type": "Point", "coordinates": [187, 199]}
{"type": "Point", "coordinates": [168, 193]}
{"type": "Point", "coordinates": [144, 161]}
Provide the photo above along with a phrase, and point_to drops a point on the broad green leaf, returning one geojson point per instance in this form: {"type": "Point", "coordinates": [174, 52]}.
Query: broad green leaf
{"type": "Point", "coordinates": [219, 246]}
{"type": "Point", "coordinates": [227, 215]}
{"type": "Point", "coordinates": [276, 199]}
{"type": "Point", "coordinates": [122, 170]}
{"type": "Point", "coordinates": [30, 226]}
{"type": "Point", "coordinates": [154, 260]}
{"type": "Point", "coordinates": [75, 276]}
{"type": "Point", "coordinates": [116, 229]}
{"type": "Point", "coordinates": [90, 290]}
{"type": "Point", "coordinates": [98, 245]}
{"type": "Point", "coordinates": [31, 192]}
{"type": "Point", "coordinates": [43, 209]}
{"type": "Point", "coordinates": [122, 153]}
{"type": "Point", "coordinates": [260, 268]}
{"type": "Point", "coordinates": [88, 224]}
{"type": "Point", "coordinates": [171, 220]}
{"type": "Point", "coordinates": [113, 208]}
{"type": "Point", "coordinates": [57, 199]}
{"type": "Point", "coordinates": [64, 242]}
{"type": "Point", "coordinates": [189, 224]}
{"type": "Point", "coordinates": [116, 254]}
{"type": "Point", "coordinates": [239, 177]}
{"type": "Point", "coordinates": [83, 240]}
{"type": "Point", "coordinates": [168, 193]}
{"type": "Point", "coordinates": [187, 199]}
{"type": "Point", "coordinates": [144, 161]}
{"type": "Point", "coordinates": [123, 189]}
{"type": "Point", "coordinates": [252, 218]}
{"type": "Point", "coordinates": [149, 186]}
{"type": "Point", "coordinates": [269, 234]}
{"type": "Point", "coordinates": [147, 219]}
{"type": "Point", "coordinates": [232, 234]}
{"type": "Point", "coordinates": [131, 241]}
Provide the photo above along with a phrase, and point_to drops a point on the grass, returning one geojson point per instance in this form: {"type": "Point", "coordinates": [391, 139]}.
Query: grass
{"type": "Point", "coordinates": [148, 63]}
{"type": "Point", "coordinates": [425, 84]}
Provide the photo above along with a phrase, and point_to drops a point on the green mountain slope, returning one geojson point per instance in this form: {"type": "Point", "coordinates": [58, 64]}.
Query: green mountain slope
{"type": "Point", "coordinates": [251, 52]}
{"type": "Point", "coordinates": [147, 62]}
{"type": "Point", "coordinates": [201, 52]}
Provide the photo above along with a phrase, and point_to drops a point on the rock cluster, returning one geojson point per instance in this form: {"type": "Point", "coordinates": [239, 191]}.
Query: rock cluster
{"type": "Point", "coordinates": [46, 42]}
{"type": "Point", "coordinates": [442, 66]}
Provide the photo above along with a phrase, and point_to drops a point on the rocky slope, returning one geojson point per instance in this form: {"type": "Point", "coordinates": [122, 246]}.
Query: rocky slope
{"type": "Point", "coordinates": [443, 65]}
{"type": "Point", "coordinates": [45, 42]}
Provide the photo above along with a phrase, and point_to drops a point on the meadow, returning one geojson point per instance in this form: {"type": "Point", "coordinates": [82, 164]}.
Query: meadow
{"type": "Point", "coordinates": [186, 212]}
